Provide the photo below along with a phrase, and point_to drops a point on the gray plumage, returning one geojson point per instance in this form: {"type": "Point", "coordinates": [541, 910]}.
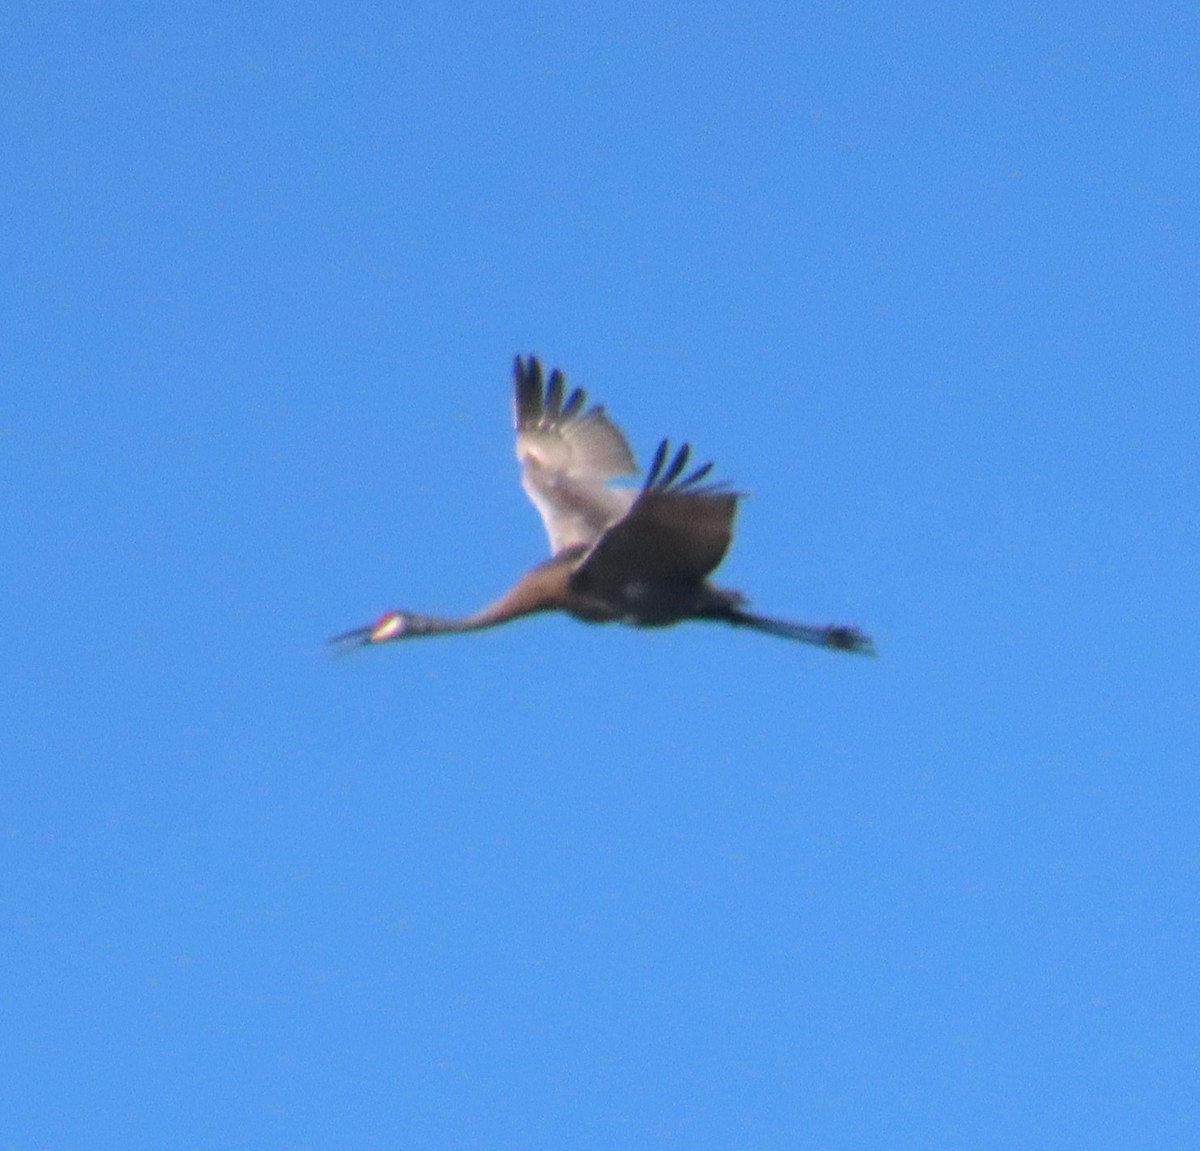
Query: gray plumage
{"type": "Point", "coordinates": [639, 556]}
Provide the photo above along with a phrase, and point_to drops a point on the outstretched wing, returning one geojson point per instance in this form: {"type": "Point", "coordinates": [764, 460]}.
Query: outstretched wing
{"type": "Point", "coordinates": [568, 454]}
{"type": "Point", "coordinates": [677, 530]}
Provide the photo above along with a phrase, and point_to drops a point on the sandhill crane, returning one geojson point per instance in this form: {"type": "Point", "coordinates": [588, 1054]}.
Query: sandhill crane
{"type": "Point", "coordinates": [628, 555]}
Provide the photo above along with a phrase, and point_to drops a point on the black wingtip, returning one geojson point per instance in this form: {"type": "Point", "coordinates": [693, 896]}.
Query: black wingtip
{"type": "Point", "coordinates": [527, 390]}
{"type": "Point", "coordinates": [662, 475]}
{"type": "Point", "coordinates": [553, 400]}
{"type": "Point", "coordinates": [573, 404]}
{"type": "Point", "coordinates": [696, 476]}
{"type": "Point", "coordinates": [660, 454]}
{"type": "Point", "coordinates": [675, 467]}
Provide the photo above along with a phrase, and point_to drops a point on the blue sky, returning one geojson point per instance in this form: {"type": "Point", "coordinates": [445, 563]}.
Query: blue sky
{"type": "Point", "coordinates": [921, 279]}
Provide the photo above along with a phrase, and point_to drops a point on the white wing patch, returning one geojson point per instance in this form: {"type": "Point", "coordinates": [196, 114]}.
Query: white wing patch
{"type": "Point", "coordinates": [568, 456]}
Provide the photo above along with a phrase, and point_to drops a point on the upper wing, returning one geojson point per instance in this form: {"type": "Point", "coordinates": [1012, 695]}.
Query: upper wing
{"type": "Point", "coordinates": [676, 530]}
{"type": "Point", "coordinates": [567, 456]}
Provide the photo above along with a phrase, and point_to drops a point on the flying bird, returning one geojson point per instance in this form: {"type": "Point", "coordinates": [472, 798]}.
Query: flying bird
{"type": "Point", "coordinates": [638, 556]}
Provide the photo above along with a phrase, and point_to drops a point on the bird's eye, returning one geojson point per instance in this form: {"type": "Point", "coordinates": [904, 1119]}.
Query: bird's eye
{"type": "Point", "coordinates": [387, 627]}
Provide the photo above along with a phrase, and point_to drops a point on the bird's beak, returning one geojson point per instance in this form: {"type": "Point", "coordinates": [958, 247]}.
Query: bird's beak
{"type": "Point", "coordinates": [349, 640]}
{"type": "Point", "coordinates": [384, 628]}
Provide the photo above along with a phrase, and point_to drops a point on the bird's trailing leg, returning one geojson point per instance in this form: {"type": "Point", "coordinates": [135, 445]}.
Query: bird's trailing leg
{"type": "Point", "coordinates": [835, 637]}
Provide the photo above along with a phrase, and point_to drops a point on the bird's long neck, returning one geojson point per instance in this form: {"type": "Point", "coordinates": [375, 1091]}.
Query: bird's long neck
{"type": "Point", "coordinates": [416, 625]}
{"type": "Point", "coordinates": [542, 589]}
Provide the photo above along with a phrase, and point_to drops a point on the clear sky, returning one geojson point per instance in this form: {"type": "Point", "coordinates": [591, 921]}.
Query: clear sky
{"type": "Point", "coordinates": [920, 278]}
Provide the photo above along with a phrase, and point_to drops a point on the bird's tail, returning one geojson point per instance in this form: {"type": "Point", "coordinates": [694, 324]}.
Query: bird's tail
{"type": "Point", "coordinates": [834, 637]}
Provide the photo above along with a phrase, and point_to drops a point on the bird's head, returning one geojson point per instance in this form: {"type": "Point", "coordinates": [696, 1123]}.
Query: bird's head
{"type": "Point", "coordinates": [392, 625]}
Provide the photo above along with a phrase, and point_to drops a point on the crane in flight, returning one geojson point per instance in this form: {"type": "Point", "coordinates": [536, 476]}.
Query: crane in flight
{"type": "Point", "coordinates": [638, 556]}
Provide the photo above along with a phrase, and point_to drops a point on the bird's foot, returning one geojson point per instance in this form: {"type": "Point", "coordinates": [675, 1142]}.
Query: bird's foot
{"type": "Point", "coordinates": [848, 639]}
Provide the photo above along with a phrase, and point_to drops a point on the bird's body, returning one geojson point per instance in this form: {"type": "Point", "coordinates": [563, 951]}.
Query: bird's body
{"type": "Point", "coordinates": [641, 557]}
